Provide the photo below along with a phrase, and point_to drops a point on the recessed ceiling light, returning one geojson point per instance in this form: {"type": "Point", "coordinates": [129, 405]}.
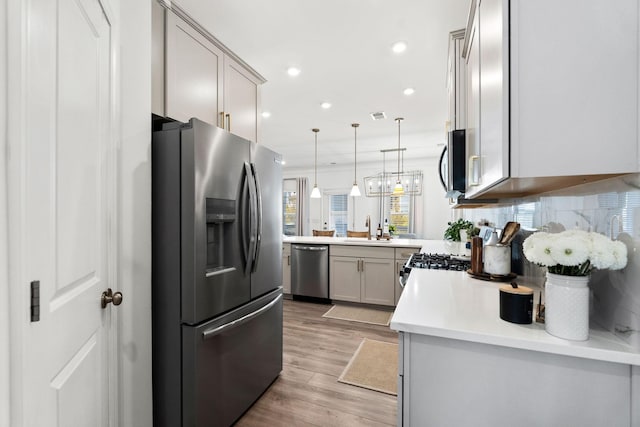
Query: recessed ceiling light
{"type": "Point", "coordinates": [266, 114]}
{"type": "Point", "coordinates": [326, 105]}
{"type": "Point", "coordinates": [379, 115]}
{"type": "Point", "coordinates": [293, 71]}
{"type": "Point", "coordinates": [408, 91]}
{"type": "Point", "coordinates": [399, 47]}
{"type": "Point", "coordinates": [283, 162]}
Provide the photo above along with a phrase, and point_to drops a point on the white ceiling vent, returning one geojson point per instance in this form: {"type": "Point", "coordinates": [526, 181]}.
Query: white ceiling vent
{"type": "Point", "coordinates": [379, 115]}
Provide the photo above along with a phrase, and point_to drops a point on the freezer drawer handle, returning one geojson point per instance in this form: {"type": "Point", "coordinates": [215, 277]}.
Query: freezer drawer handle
{"type": "Point", "coordinates": [220, 271]}
{"type": "Point", "coordinates": [310, 248]}
{"type": "Point", "coordinates": [210, 333]}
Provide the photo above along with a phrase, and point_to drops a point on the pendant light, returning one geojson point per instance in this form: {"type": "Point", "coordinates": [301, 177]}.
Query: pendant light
{"type": "Point", "coordinates": [315, 193]}
{"type": "Point", "coordinates": [398, 190]}
{"type": "Point", "coordinates": [355, 191]}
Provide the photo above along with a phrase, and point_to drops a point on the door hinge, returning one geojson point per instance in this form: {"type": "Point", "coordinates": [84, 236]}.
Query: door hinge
{"type": "Point", "coordinates": [35, 301]}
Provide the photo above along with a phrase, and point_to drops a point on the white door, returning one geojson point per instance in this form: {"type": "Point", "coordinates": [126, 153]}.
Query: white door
{"type": "Point", "coordinates": [63, 213]}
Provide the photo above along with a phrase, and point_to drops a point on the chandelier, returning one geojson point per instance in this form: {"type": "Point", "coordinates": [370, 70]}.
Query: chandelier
{"type": "Point", "coordinates": [383, 183]}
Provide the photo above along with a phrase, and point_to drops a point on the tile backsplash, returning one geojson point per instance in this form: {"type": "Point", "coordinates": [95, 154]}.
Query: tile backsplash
{"type": "Point", "coordinates": [610, 207]}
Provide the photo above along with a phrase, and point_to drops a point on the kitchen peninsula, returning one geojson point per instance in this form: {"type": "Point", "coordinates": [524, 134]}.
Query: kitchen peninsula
{"type": "Point", "coordinates": [460, 364]}
{"type": "Point", "coordinates": [362, 270]}
{"type": "Point", "coordinates": [359, 270]}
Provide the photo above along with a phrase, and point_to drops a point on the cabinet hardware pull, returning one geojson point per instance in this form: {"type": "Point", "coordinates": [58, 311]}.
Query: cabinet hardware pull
{"type": "Point", "coordinates": [288, 259]}
{"type": "Point", "coordinates": [221, 122]}
{"type": "Point", "coordinates": [228, 122]}
{"type": "Point", "coordinates": [473, 179]}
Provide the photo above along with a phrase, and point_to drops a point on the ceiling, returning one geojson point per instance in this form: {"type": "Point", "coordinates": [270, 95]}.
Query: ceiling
{"type": "Point", "coordinates": [343, 49]}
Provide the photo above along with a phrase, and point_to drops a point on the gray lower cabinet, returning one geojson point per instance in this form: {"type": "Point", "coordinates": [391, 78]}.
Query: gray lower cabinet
{"type": "Point", "coordinates": [402, 255]}
{"type": "Point", "coordinates": [362, 274]}
{"type": "Point", "coordinates": [448, 382]}
{"type": "Point", "coordinates": [286, 268]}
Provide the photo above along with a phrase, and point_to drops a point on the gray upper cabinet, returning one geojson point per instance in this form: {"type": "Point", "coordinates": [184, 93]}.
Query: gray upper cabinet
{"type": "Point", "coordinates": [552, 94]}
{"type": "Point", "coordinates": [456, 79]}
{"type": "Point", "coordinates": [194, 75]}
{"type": "Point", "coordinates": [241, 100]}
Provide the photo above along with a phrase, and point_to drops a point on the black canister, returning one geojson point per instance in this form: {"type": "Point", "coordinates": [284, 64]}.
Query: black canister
{"type": "Point", "coordinates": [516, 304]}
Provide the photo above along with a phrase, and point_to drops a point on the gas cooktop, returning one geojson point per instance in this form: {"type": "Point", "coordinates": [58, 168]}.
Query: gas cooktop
{"type": "Point", "coordinates": [438, 262]}
{"type": "Point", "coordinates": [434, 262]}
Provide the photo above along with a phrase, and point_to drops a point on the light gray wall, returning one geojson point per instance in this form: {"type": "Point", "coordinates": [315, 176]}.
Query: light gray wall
{"type": "Point", "coordinates": [135, 214]}
{"type": "Point", "coordinates": [4, 278]}
{"type": "Point", "coordinates": [433, 210]}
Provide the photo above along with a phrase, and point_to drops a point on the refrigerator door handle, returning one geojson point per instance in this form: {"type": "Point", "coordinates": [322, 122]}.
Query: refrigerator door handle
{"type": "Point", "coordinates": [210, 333]}
{"type": "Point", "coordinates": [253, 220]}
{"type": "Point", "coordinates": [258, 205]}
{"type": "Point", "coordinates": [244, 198]}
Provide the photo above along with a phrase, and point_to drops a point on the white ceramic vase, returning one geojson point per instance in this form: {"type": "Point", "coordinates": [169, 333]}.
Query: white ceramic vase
{"type": "Point", "coordinates": [566, 310]}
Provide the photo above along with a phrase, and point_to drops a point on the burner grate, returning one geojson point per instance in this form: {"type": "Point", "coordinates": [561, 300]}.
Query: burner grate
{"type": "Point", "coordinates": [437, 262]}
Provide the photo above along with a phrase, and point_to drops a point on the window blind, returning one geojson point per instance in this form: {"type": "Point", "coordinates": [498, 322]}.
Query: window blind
{"type": "Point", "coordinates": [338, 213]}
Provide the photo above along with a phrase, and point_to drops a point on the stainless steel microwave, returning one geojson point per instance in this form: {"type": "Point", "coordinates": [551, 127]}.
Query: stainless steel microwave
{"type": "Point", "coordinates": [452, 164]}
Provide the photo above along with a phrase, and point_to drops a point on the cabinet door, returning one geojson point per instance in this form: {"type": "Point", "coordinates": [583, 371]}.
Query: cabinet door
{"type": "Point", "coordinates": [494, 91]}
{"type": "Point", "coordinates": [344, 283]}
{"type": "Point", "coordinates": [194, 69]}
{"type": "Point", "coordinates": [240, 101]}
{"type": "Point", "coordinates": [286, 269]}
{"type": "Point", "coordinates": [397, 287]}
{"type": "Point", "coordinates": [378, 281]}
{"type": "Point", "coordinates": [456, 81]}
{"type": "Point", "coordinates": [401, 257]}
{"type": "Point", "coordinates": [473, 109]}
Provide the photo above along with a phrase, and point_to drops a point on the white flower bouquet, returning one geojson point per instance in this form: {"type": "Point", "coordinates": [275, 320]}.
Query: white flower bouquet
{"type": "Point", "coordinates": [574, 252]}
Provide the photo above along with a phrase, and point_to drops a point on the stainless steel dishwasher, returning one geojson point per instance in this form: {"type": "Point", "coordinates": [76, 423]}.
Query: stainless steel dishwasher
{"type": "Point", "coordinates": [310, 270]}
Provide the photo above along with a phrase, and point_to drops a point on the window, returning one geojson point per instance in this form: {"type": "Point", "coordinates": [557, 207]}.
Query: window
{"type": "Point", "coordinates": [289, 208]}
{"type": "Point", "coordinates": [338, 213]}
{"type": "Point", "coordinates": [399, 211]}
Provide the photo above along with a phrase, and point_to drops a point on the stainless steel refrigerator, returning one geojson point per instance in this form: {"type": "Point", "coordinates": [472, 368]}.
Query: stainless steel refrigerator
{"type": "Point", "coordinates": [217, 273]}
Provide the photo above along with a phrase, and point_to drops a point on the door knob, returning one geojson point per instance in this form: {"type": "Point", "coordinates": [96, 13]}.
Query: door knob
{"type": "Point", "coordinates": [108, 296]}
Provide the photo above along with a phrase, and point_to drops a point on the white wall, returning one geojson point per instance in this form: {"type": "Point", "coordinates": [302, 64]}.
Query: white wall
{"type": "Point", "coordinates": [135, 214]}
{"type": "Point", "coordinates": [434, 211]}
{"type": "Point", "coordinates": [4, 277]}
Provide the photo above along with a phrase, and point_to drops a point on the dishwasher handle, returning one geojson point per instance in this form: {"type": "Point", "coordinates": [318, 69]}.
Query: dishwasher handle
{"type": "Point", "coordinates": [310, 248]}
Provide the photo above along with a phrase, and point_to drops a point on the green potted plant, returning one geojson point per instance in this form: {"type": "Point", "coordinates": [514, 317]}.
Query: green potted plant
{"type": "Point", "coordinates": [453, 230]}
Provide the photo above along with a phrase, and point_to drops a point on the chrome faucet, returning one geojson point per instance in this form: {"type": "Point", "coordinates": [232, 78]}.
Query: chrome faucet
{"type": "Point", "coordinates": [368, 225]}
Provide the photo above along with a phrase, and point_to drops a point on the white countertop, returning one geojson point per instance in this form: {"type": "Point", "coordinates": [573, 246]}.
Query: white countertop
{"type": "Point", "coordinates": [356, 241]}
{"type": "Point", "coordinates": [439, 246]}
{"type": "Point", "coordinates": [451, 304]}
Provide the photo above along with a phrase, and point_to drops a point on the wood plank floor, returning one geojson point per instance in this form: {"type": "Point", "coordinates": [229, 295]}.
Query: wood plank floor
{"type": "Point", "coordinates": [307, 392]}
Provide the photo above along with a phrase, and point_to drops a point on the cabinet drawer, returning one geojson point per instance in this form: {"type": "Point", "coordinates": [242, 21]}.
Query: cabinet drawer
{"type": "Point", "coordinates": [362, 251]}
